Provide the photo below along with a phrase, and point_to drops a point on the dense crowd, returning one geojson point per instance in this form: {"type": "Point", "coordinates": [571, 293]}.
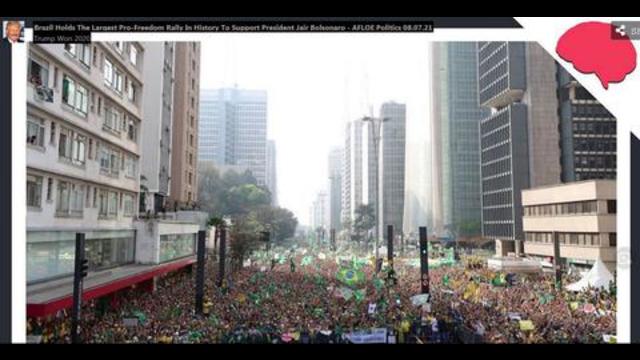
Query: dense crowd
{"type": "Point", "coordinates": [302, 300]}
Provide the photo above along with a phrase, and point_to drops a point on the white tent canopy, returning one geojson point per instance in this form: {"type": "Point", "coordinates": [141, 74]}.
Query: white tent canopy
{"type": "Point", "coordinates": [598, 277]}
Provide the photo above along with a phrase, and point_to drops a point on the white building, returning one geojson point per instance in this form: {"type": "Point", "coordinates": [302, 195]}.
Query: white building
{"type": "Point", "coordinates": [83, 119]}
{"type": "Point", "coordinates": [581, 214]}
{"type": "Point", "coordinates": [85, 116]}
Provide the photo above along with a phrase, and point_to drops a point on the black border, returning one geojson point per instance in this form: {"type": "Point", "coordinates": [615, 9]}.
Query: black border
{"type": "Point", "coordinates": [5, 194]}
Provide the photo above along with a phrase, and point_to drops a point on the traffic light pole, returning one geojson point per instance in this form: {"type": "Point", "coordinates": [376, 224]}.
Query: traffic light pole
{"type": "Point", "coordinates": [222, 258]}
{"type": "Point", "coordinates": [80, 271]}
{"type": "Point", "coordinates": [424, 261]}
{"type": "Point", "coordinates": [200, 273]}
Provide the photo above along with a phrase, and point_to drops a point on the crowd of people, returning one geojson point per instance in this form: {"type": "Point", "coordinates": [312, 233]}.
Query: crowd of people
{"type": "Point", "coordinates": [302, 300]}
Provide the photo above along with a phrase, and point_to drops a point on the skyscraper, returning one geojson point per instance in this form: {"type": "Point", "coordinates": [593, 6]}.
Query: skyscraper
{"type": "Point", "coordinates": [272, 184]}
{"type": "Point", "coordinates": [392, 167]}
{"type": "Point", "coordinates": [186, 98]}
{"type": "Point", "coordinates": [233, 129]}
{"type": "Point", "coordinates": [335, 188]}
{"type": "Point", "coordinates": [352, 183]}
{"type": "Point", "coordinates": [519, 139]}
{"type": "Point", "coordinates": [157, 124]}
{"type": "Point", "coordinates": [320, 211]}
{"type": "Point", "coordinates": [456, 117]}
{"type": "Point", "coordinates": [588, 133]}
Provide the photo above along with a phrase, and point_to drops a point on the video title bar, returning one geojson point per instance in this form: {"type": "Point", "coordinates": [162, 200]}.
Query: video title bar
{"type": "Point", "coordinates": [80, 32]}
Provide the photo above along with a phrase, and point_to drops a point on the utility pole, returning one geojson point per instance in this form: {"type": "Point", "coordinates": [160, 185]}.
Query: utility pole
{"type": "Point", "coordinates": [375, 126]}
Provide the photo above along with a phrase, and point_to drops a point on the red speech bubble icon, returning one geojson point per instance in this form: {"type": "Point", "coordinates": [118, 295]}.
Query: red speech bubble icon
{"type": "Point", "coordinates": [591, 48]}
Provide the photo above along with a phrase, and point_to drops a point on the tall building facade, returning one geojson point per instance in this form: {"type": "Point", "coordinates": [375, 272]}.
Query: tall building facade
{"type": "Point", "coordinates": [392, 167]}
{"type": "Point", "coordinates": [456, 118]}
{"type": "Point", "coordinates": [84, 115]}
{"type": "Point", "coordinates": [335, 189]}
{"type": "Point", "coordinates": [352, 182]}
{"type": "Point", "coordinates": [157, 127]}
{"type": "Point", "coordinates": [184, 149]}
{"type": "Point", "coordinates": [272, 184]}
{"type": "Point", "coordinates": [233, 129]}
{"type": "Point", "coordinates": [320, 211]}
{"type": "Point", "coordinates": [588, 133]}
{"type": "Point", "coordinates": [519, 140]}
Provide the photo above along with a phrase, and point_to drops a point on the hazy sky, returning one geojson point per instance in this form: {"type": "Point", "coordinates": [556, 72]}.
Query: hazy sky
{"type": "Point", "coordinates": [314, 83]}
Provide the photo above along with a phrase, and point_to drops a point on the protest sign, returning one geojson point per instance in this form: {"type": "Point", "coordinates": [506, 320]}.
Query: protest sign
{"type": "Point", "coordinates": [376, 336]}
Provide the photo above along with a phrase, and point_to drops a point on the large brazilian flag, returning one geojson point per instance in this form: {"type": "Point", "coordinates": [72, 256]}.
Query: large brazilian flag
{"type": "Point", "coordinates": [350, 277]}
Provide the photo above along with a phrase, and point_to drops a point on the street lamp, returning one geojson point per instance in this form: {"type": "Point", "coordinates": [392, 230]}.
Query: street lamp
{"type": "Point", "coordinates": [375, 127]}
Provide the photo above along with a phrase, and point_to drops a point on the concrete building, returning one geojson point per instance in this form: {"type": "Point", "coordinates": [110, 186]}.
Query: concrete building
{"type": "Point", "coordinates": [392, 167]}
{"type": "Point", "coordinates": [335, 188]}
{"type": "Point", "coordinates": [158, 105]}
{"type": "Point", "coordinates": [85, 123]}
{"type": "Point", "coordinates": [84, 113]}
{"type": "Point", "coordinates": [320, 212]}
{"type": "Point", "coordinates": [581, 214]}
{"type": "Point", "coordinates": [184, 149]}
{"type": "Point", "coordinates": [233, 129]}
{"type": "Point", "coordinates": [352, 180]}
{"type": "Point", "coordinates": [456, 152]}
{"type": "Point", "coordinates": [588, 133]}
{"type": "Point", "coordinates": [519, 140]}
{"type": "Point", "coordinates": [272, 183]}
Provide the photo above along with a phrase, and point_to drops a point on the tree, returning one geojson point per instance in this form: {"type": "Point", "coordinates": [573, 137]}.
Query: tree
{"type": "Point", "coordinates": [243, 238]}
{"type": "Point", "coordinates": [229, 194]}
{"type": "Point", "coordinates": [242, 199]}
{"type": "Point", "coordinates": [280, 222]}
{"type": "Point", "coordinates": [364, 221]}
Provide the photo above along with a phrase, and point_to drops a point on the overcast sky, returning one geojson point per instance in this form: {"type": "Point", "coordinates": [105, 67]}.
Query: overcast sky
{"type": "Point", "coordinates": [314, 83]}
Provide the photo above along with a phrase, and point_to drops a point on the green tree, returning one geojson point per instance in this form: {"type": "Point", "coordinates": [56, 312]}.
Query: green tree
{"type": "Point", "coordinates": [364, 221]}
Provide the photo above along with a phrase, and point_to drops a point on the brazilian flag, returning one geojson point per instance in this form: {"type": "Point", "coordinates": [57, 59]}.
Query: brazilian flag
{"type": "Point", "coordinates": [499, 280]}
{"type": "Point", "coordinates": [306, 261]}
{"type": "Point", "coordinates": [350, 277]}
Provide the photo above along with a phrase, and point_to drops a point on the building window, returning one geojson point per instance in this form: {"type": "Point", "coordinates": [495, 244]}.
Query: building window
{"type": "Point", "coordinates": [108, 204]}
{"type": "Point", "coordinates": [38, 72]}
{"type": "Point", "coordinates": [72, 146]}
{"type": "Point", "coordinates": [131, 166]}
{"type": "Point", "coordinates": [82, 52]}
{"type": "Point", "coordinates": [611, 206]}
{"type": "Point", "coordinates": [74, 95]}
{"type": "Point", "coordinates": [70, 199]}
{"type": "Point", "coordinates": [613, 239]}
{"type": "Point", "coordinates": [34, 190]}
{"type": "Point", "coordinates": [49, 188]}
{"type": "Point", "coordinates": [190, 159]}
{"type": "Point", "coordinates": [109, 161]}
{"type": "Point", "coordinates": [131, 90]}
{"type": "Point", "coordinates": [128, 204]}
{"type": "Point", "coordinates": [190, 176]}
{"type": "Point", "coordinates": [35, 131]}
{"type": "Point", "coordinates": [191, 139]}
{"type": "Point", "coordinates": [120, 46]}
{"type": "Point", "coordinates": [112, 76]}
{"type": "Point", "coordinates": [174, 246]}
{"type": "Point", "coordinates": [108, 72]}
{"type": "Point", "coordinates": [133, 54]}
{"type": "Point", "coordinates": [132, 131]}
{"type": "Point", "coordinates": [95, 56]}
{"type": "Point", "coordinates": [112, 118]}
